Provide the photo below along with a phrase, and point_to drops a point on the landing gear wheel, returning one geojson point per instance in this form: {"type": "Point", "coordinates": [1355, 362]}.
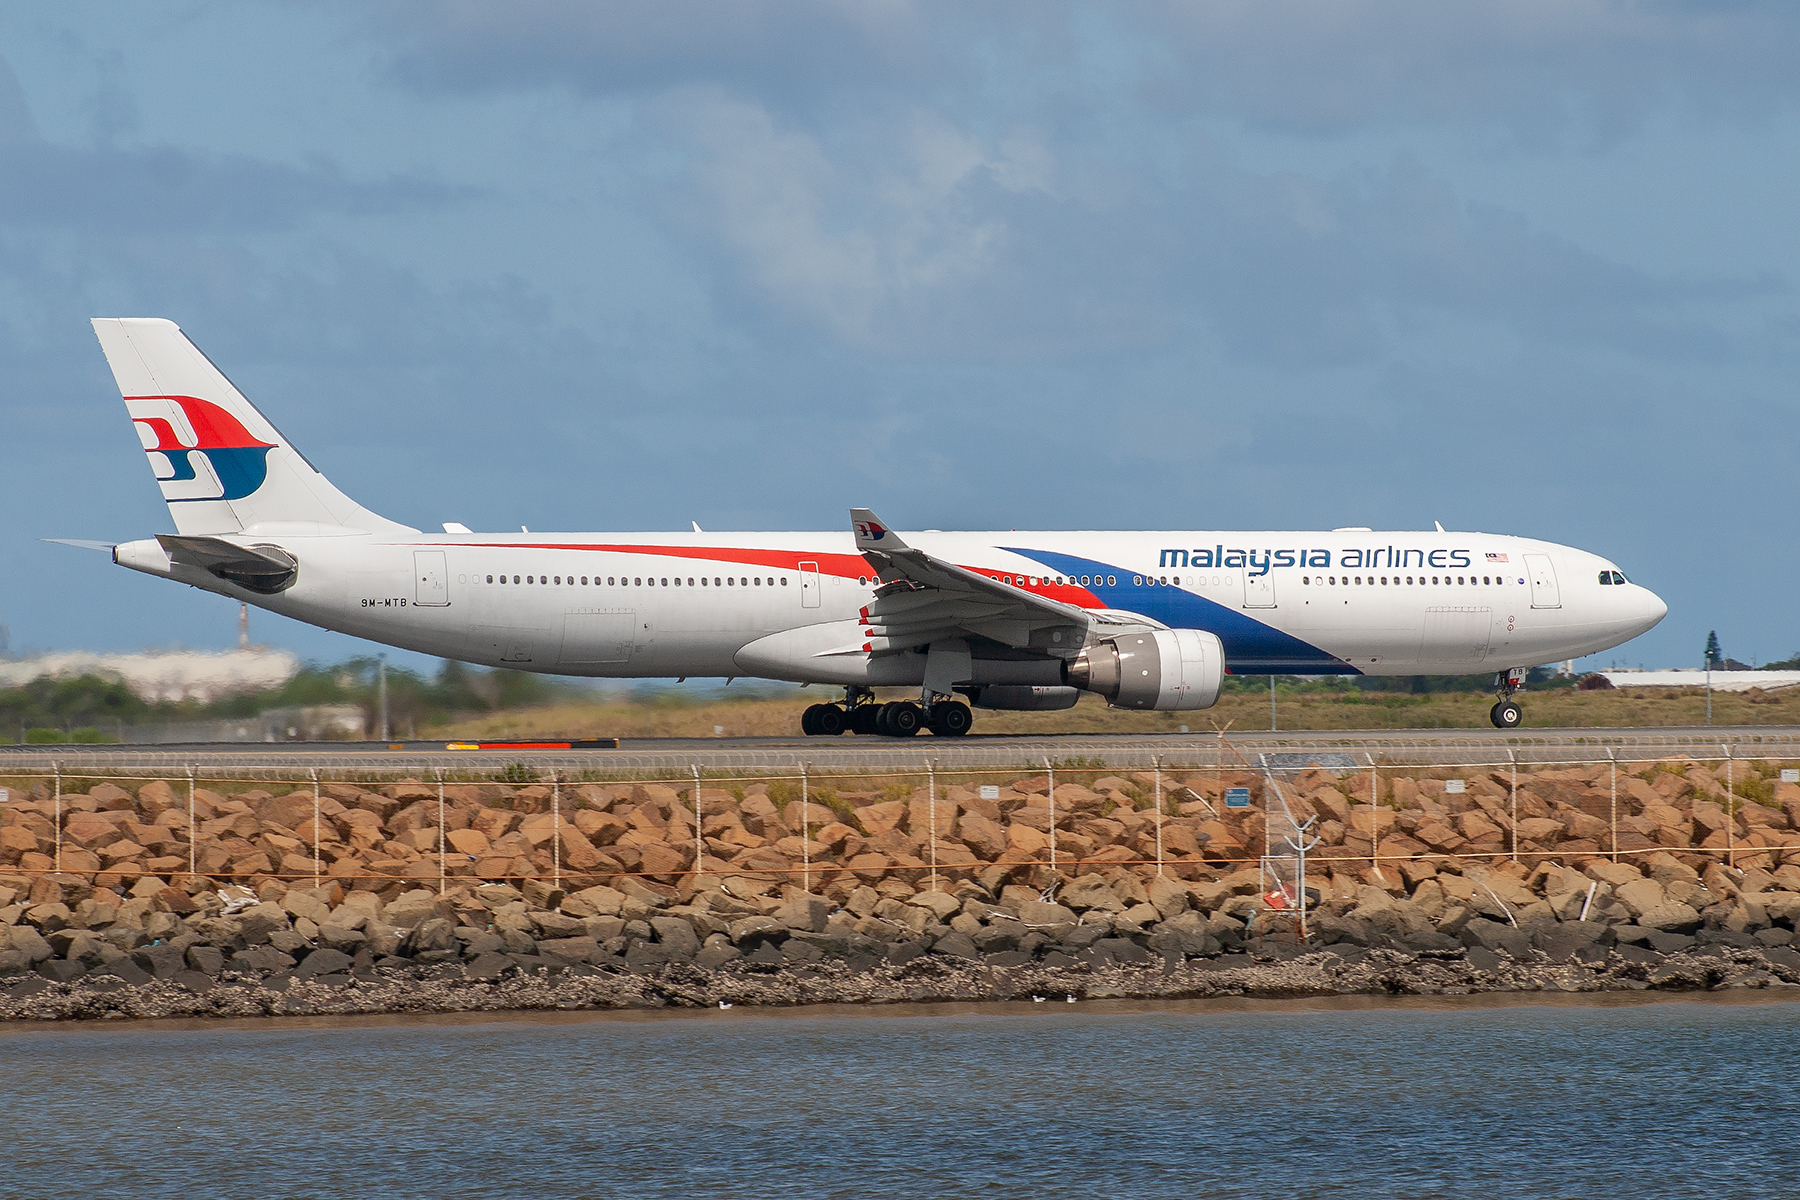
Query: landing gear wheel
{"type": "Point", "coordinates": [901, 718]}
{"type": "Point", "coordinates": [830, 721]}
{"type": "Point", "coordinates": [863, 719]}
{"type": "Point", "coordinates": [951, 719]}
{"type": "Point", "coordinates": [1506, 715]}
{"type": "Point", "coordinates": [809, 720]}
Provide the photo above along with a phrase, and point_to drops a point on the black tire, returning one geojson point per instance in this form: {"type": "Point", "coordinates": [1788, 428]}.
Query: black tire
{"type": "Point", "coordinates": [901, 719]}
{"type": "Point", "coordinates": [864, 719]}
{"type": "Point", "coordinates": [951, 719]}
{"type": "Point", "coordinates": [1506, 715]}
{"type": "Point", "coordinates": [830, 721]}
{"type": "Point", "coordinates": [809, 721]}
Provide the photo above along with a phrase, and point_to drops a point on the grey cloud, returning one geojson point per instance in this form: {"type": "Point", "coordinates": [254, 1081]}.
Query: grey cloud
{"type": "Point", "coordinates": [918, 236]}
{"type": "Point", "coordinates": [153, 190]}
{"type": "Point", "coordinates": [1533, 69]}
{"type": "Point", "coordinates": [1529, 70]}
{"type": "Point", "coordinates": [766, 46]}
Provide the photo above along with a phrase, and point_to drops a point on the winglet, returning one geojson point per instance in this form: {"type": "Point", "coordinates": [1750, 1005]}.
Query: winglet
{"type": "Point", "coordinates": [872, 532]}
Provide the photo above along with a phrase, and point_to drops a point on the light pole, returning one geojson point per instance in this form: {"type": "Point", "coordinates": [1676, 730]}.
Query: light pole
{"type": "Point", "coordinates": [381, 692]}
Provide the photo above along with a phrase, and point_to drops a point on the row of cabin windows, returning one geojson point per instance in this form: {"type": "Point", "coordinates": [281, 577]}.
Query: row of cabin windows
{"type": "Point", "coordinates": [1039, 580]}
{"type": "Point", "coordinates": [1345, 580]}
{"type": "Point", "coordinates": [645, 581]}
{"type": "Point", "coordinates": [1396, 580]}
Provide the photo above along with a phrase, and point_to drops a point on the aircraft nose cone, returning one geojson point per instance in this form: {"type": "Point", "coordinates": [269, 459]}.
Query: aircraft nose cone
{"type": "Point", "coordinates": [1654, 608]}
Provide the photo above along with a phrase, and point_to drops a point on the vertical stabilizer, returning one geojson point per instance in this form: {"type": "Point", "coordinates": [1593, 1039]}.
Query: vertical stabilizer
{"type": "Point", "coordinates": [222, 466]}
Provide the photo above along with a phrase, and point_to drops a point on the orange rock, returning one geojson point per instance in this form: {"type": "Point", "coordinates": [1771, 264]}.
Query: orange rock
{"type": "Point", "coordinates": [79, 861]}
{"type": "Point", "coordinates": [1027, 840]}
{"type": "Point", "coordinates": [878, 819]}
{"type": "Point", "coordinates": [118, 851]}
{"type": "Point", "coordinates": [986, 838]}
{"type": "Point", "coordinates": [665, 861]}
{"type": "Point", "coordinates": [90, 830]}
{"type": "Point", "coordinates": [870, 868]}
{"type": "Point", "coordinates": [469, 841]}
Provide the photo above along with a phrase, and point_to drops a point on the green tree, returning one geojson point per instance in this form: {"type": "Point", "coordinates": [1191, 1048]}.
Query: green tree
{"type": "Point", "coordinates": [1715, 658]}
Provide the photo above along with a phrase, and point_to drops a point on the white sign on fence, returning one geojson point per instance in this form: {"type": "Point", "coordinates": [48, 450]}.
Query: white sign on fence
{"type": "Point", "coordinates": [1453, 786]}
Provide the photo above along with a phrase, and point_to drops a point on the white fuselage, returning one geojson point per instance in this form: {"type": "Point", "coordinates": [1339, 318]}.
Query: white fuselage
{"type": "Point", "coordinates": [786, 605]}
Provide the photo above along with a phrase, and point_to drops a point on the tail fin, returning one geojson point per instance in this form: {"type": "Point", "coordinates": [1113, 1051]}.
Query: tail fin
{"type": "Point", "coordinates": [222, 466]}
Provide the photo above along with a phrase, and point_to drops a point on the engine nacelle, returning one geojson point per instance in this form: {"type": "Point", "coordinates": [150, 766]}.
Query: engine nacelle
{"type": "Point", "coordinates": [1014, 697]}
{"type": "Point", "coordinates": [1164, 669]}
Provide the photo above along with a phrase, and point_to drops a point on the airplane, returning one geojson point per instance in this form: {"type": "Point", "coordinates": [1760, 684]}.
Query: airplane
{"type": "Point", "coordinates": [1015, 620]}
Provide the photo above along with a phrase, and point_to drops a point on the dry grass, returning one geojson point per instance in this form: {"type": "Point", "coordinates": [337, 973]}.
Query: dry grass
{"type": "Point", "coordinates": [763, 717]}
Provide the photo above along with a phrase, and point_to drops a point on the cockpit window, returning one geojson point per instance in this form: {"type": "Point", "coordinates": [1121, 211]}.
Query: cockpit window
{"type": "Point", "coordinates": [1606, 579]}
{"type": "Point", "coordinates": [1619, 577]}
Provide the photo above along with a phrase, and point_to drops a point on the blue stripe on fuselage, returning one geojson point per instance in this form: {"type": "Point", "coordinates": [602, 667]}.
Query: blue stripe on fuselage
{"type": "Point", "coordinates": [1251, 647]}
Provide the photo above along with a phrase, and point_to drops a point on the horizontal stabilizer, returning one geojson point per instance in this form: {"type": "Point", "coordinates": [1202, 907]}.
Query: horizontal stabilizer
{"type": "Point", "coordinates": [84, 544]}
{"type": "Point", "coordinates": [264, 569]}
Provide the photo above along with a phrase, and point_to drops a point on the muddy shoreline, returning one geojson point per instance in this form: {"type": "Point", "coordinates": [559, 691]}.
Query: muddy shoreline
{"type": "Point", "coordinates": [1287, 973]}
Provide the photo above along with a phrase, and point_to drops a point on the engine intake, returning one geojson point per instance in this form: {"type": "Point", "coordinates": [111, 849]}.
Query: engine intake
{"type": "Point", "coordinates": [1169, 670]}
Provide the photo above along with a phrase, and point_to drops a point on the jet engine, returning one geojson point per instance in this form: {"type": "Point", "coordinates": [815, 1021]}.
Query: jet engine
{"type": "Point", "coordinates": [1164, 669]}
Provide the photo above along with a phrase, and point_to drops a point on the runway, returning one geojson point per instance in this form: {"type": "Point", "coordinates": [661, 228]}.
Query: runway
{"type": "Point", "coordinates": [678, 758]}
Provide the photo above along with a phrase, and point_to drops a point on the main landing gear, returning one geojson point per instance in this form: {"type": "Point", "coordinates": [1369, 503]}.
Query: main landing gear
{"type": "Point", "coordinates": [859, 713]}
{"type": "Point", "coordinates": [1506, 714]}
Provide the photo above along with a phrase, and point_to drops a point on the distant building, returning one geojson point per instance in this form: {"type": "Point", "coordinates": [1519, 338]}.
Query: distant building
{"type": "Point", "coordinates": [170, 675]}
{"type": "Point", "coordinates": [1722, 681]}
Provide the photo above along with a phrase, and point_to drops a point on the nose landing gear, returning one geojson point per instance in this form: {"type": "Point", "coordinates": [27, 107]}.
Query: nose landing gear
{"type": "Point", "coordinates": [859, 713]}
{"type": "Point", "coordinates": [1506, 714]}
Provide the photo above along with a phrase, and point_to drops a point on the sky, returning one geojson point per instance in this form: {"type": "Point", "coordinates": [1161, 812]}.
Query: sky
{"type": "Point", "coordinates": [1523, 268]}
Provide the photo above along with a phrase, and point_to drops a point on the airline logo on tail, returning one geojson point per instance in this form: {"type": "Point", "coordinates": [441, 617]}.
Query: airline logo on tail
{"type": "Point", "coordinates": [870, 530]}
{"type": "Point", "coordinates": [197, 450]}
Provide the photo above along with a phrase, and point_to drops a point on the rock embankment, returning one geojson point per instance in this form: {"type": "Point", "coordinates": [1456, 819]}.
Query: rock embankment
{"type": "Point", "coordinates": [588, 895]}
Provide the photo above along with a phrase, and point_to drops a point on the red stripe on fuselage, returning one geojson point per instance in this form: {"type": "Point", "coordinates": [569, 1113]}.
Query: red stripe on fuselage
{"type": "Point", "coordinates": [849, 566]}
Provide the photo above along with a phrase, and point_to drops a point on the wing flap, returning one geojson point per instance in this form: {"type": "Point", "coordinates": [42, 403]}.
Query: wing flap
{"type": "Point", "coordinates": [932, 599]}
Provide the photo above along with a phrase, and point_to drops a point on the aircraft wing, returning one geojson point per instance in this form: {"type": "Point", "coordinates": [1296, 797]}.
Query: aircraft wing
{"type": "Point", "coordinates": [924, 599]}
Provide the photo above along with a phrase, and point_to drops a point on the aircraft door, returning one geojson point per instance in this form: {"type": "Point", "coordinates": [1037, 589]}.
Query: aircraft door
{"type": "Point", "coordinates": [431, 581]}
{"type": "Point", "coordinates": [809, 585]}
{"type": "Point", "coordinates": [1456, 635]}
{"type": "Point", "coordinates": [1544, 592]}
{"type": "Point", "coordinates": [1259, 591]}
{"type": "Point", "coordinates": [593, 636]}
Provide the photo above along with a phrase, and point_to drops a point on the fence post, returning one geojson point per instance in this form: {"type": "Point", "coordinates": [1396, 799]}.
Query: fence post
{"type": "Point", "coordinates": [805, 847]}
{"type": "Point", "coordinates": [931, 785]}
{"type": "Point", "coordinates": [1374, 822]}
{"type": "Point", "coordinates": [315, 779]}
{"type": "Point", "coordinates": [1156, 765]}
{"type": "Point", "coordinates": [1050, 770]}
{"type": "Point", "coordinates": [1514, 758]}
{"type": "Point", "coordinates": [1730, 817]}
{"type": "Point", "coordinates": [443, 833]}
{"type": "Point", "coordinates": [555, 825]}
{"type": "Point", "coordinates": [56, 768]}
{"type": "Point", "coordinates": [192, 849]}
{"type": "Point", "coordinates": [1612, 820]}
{"type": "Point", "coordinates": [699, 842]}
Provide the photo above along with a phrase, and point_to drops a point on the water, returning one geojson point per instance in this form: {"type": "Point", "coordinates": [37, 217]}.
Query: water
{"type": "Point", "coordinates": [1677, 1099]}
